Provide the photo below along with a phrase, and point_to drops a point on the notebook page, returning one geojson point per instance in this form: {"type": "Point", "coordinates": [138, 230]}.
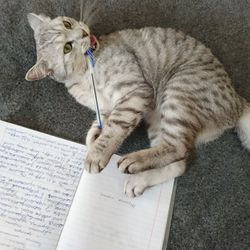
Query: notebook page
{"type": "Point", "coordinates": [102, 217]}
{"type": "Point", "coordinates": [38, 178]}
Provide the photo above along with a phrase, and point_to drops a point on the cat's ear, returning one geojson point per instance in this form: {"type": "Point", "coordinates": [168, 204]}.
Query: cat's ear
{"type": "Point", "coordinates": [36, 21]}
{"type": "Point", "coordinates": [38, 71]}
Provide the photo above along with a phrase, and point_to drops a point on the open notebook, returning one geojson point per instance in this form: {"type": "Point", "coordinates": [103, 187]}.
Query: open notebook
{"type": "Point", "coordinates": [48, 202]}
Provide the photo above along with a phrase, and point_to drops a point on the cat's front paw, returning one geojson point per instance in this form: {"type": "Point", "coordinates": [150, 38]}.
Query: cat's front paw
{"type": "Point", "coordinates": [96, 161]}
{"type": "Point", "coordinates": [92, 135]}
{"type": "Point", "coordinates": [135, 185]}
{"type": "Point", "coordinates": [132, 163]}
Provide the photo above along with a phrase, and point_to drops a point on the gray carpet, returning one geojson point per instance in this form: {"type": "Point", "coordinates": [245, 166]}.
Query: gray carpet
{"type": "Point", "coordinates": [212, 202]}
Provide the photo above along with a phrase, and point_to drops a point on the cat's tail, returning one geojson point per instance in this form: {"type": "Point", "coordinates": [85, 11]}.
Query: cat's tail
{"type": "Point", "coordinates": [243, 126]}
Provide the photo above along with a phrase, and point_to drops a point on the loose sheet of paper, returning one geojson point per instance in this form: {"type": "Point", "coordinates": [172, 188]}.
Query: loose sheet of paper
{"type": "Point", "coordinates": [38, 178]}
{"type": "Point", "coordinates": [102, 217]}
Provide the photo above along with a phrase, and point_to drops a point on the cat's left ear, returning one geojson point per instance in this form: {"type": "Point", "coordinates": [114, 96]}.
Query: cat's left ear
{"type": "Point", "coordinates": [36, 21]}
{"type": "Point", "coordinates": [38, 71]}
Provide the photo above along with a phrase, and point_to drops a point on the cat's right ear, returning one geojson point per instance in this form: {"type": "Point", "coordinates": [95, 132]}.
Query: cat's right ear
{"type": "Point", "coordinates": [36, 21]}
{"type": "Point", "coordinates": [38, 71]}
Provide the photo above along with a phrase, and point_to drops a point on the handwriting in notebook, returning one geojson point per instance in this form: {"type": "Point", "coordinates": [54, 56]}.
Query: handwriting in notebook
{"type": "Point", "coordinates": [38, 178]}
{"type": "Point", "coordinates": [125, 202]}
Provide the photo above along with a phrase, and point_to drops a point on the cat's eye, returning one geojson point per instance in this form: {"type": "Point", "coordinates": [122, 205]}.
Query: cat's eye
{"type": "Point", "coordinates": [67, 24]}
{"type": "Point", "coordinates": [67, 47]}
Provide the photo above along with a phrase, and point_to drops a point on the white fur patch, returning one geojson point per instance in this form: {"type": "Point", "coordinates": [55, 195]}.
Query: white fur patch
{"type": "Point", "coordinates": [244, 128]}
{"type": "Point", "coordinates": [209, 134]}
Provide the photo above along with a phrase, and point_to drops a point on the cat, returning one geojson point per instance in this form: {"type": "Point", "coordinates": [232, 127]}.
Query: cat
{"type": "Point", "coordinates": [163, 76]}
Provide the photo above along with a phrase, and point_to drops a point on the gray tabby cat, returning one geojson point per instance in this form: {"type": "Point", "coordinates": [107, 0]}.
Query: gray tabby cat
{"type": "Point", "coordinates": [165, 77]}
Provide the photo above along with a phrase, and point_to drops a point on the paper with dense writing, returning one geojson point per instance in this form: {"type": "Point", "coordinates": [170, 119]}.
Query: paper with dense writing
{"type": "Point", "coordinates": [38, 178]}
{"type": "Point", "coordinates": [102, 217]}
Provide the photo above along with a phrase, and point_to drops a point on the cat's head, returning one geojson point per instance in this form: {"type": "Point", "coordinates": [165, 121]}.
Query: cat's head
{"type": "Point", "coordinates": [60, 45]}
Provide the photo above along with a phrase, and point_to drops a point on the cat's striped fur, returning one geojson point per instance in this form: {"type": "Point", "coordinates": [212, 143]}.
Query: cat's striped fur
{"type": "Point", "coordinates": [165, 77]}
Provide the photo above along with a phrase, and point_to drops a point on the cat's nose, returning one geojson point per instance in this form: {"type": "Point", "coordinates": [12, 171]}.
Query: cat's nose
{"type": "Point", "coordinates": [84, 33]}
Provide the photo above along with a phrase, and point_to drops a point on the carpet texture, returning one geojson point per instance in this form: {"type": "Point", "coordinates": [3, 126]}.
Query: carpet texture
{"type": "Point", "coordinates": [211, 209]}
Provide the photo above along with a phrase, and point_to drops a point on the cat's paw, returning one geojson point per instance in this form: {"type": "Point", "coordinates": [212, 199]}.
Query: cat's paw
{"type": "Point", "coordinates": [92, 135]}
{"type": "Point", "coordinates": [135, 185]}
{"type": "Point", "coordinates": [132, 163]}
{"type": "Point", "coordinates": [96, 161]}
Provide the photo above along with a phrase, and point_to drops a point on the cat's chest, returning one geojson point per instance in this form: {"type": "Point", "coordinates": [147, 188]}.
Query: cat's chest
{"type": "Point", "coordinates": [84, 94]}
{"type": "Point", "coordinates": [103, 102]}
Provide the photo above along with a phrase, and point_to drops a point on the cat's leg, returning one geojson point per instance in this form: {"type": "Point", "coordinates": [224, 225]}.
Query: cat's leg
{"type": "Point", "coordinates": [155, 157]}
{"type": "Point", "coordinates": [170, 149]}
{"type": "Point", "coordinates": [137, 183]}
{"type": "Point", "coordinates": [171, 141]}
{"type": "Point", "coordinates": [171, 144]}
{"type": "Point", "coordinates": [162, 162]}
{"type": "Point", "coordinates": [125, 116]}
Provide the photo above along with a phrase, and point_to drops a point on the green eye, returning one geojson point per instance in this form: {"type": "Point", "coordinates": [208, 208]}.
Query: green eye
{"type": "Point", "coordinates": [67, 47]}
{"type": "Point", "coordinates": [67, 24]}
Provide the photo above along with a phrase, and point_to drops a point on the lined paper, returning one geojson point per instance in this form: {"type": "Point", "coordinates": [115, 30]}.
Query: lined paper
{"type": "Point", "coordinates": [38, 178]}
{"type": "Point", "coordinates": [102, 217]}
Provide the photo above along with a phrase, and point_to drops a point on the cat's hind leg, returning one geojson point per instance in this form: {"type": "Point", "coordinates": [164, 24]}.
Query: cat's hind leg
{"type": "Point", "coordinates": [137, 183]}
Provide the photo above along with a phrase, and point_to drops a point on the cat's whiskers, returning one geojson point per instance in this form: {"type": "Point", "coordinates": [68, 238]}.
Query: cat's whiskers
{"type": "Point", "coordinates": [88, 10]}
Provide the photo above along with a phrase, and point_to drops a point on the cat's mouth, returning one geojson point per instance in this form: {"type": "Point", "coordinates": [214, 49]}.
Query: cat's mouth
{"type": "Point", "coordinates": [93, 45]}
{"type": "Point", "coordinates": [93, 42]}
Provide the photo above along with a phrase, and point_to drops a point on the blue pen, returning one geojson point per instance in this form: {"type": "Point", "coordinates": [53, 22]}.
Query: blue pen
{"type": "Point", "coordinates": [91, 65]}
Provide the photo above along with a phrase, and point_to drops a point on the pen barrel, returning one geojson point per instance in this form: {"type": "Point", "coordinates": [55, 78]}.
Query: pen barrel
{"type": "Point", "coordinates": [98, 116]}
